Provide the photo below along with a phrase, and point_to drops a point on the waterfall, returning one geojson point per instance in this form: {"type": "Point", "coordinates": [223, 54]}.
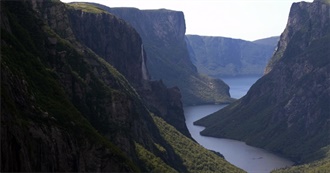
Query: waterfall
{"type": "Point", "coordinates": [144, 68]}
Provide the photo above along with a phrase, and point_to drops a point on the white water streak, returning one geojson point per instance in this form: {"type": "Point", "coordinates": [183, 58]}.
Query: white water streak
{"type": "Point", "coordinates": [144, 68]}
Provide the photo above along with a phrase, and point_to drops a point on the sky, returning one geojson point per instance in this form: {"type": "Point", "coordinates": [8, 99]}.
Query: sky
{"type": "Point", "coordinates": [243, 19]}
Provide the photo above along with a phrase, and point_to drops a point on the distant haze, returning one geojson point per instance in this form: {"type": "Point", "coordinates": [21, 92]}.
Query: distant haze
{"type": "Point", "coordinates": [244, 19]}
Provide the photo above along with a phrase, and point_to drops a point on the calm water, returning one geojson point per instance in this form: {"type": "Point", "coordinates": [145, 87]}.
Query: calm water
{"type": "Point", "coordinates": [251, 159]}
{"type": "Point", "coordinates": [240, 85]}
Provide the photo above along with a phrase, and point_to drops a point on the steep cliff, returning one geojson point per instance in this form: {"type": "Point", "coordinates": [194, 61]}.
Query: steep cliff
{"type": "Point", "coordinates": [120, 45]}
{"type": "Point", "coordinates": [221, 56]}
{"type": "Point", "coordinates": [301, 28]}
{"type": "Point", "coordinates": [64, 108]}
{"type": "Point", "coordinates": [41, 128]}
{"type": "Point", "coordinates": [163, 35]}
{"type": "Point", "coordinates": [287, 110]}
{"type": "Point", "coordinates": [112, 39]}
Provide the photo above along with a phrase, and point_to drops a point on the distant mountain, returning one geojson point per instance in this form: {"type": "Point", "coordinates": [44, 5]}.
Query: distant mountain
{"type": "Point", "coordinates": [271, 41]}
{"type": "Point", "coordinates": [221, 56]}
{"type": "Point", "coordinates": [288, 109]}
{"type": "Point", "coordinates": [163, 35]}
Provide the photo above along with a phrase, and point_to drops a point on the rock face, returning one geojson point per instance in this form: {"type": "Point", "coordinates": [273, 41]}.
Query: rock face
{"type": "Point", "coordinates": [125, 51]}
{"type": "Point", "coordinates": [163, 35]}
{"type": "Point", "coordinates": [162, 32]}
{"type": "Point", "coordinates": [298, 26]}
{"type": "Point", "coordinates": [111, 38]}
{"type": "Point", "coordinates": [287, 110]}
{"type": "Point", "coordinates": [165, 103]}
{"type": "Point", "coordinates": [223, 57]}
{"type": "Point", "coordinates": [41, 129]}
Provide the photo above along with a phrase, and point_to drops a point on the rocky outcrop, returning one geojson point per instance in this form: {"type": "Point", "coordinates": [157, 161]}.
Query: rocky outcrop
{"type": "Point", "coordinates": [221, 56]}
{"type": "Point", "coordinates": [287, 110]}
{"type": "Point", "coordinates": [163, 32]}
{"type": "Point", "coordinates": [165, 103]}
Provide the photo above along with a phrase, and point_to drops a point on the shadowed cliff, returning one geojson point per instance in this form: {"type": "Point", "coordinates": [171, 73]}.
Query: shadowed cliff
{"type": "Point", "coordinates": [125, 51]}
{"type": "Point", "coordinates": [163, 35]}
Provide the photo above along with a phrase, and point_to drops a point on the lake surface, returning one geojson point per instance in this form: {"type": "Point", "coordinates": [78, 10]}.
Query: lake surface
{"type": "Point", "coordinates": [239, 85]}
{"type": "Point", "coordinates": [250, 159]}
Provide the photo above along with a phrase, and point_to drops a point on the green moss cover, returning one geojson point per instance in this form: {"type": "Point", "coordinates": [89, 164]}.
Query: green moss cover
{"type": "Point", "coordinates": [86, 7]}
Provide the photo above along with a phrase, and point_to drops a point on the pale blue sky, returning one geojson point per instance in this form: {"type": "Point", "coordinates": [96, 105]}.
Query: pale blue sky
{"type": "Point", "coordinates": [244, 19]}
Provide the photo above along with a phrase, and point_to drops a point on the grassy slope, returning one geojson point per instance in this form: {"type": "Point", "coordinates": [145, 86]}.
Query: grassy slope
{"type": "Point", "coordinates": [195, 157]}
{"type": "Point", "coordinates": [152, 162]}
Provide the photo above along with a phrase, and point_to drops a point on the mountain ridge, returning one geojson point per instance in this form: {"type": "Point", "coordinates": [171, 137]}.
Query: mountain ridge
{"type": "Point", "coordinates": [272, 41]}
{"type": "Point", "coordinates": [222, 56]}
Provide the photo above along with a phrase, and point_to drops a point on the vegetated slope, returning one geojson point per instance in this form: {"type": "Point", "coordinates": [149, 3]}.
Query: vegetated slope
{"type": "Point", "coordinates": [221, 56]}
{"type": "Point", "coordinates": [322, 165]}
{"type": "Point", "coordinates": [195, 157]}
{"type": "Point", "coordinates": [63, 108]}
{"type": "Point", "coordinates": [288, 109]}
{"type": "Point", "coordinates": [163, 35]}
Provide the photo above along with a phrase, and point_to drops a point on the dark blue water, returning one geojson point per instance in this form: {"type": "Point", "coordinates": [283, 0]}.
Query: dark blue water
{"type": "Point", "coordinates": [250, 159]}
